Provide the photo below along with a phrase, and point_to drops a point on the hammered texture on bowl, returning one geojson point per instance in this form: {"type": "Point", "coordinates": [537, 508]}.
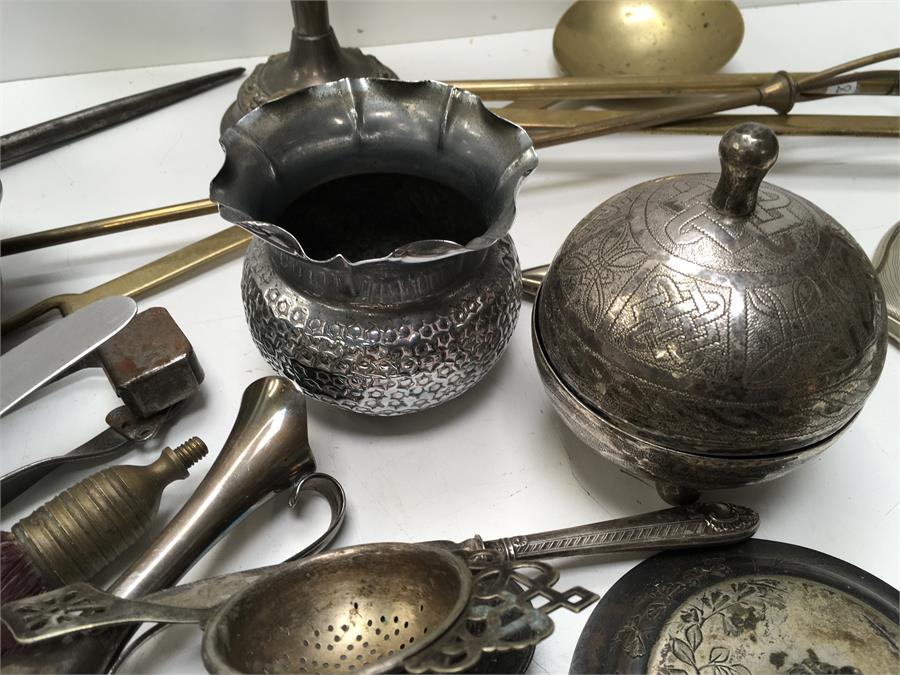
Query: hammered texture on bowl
{"type": "Point", "coordinates": [387, 361]}
{"type": "Point", "coordinates": [711, 334]}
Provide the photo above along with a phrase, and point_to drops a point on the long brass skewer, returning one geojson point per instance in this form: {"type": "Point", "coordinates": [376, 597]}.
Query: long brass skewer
{"type": "Point", "coordinates": [142, 280]}
{"type": "Point", "coordinates": [871, 126]}
{"type": "Point", "coordinates": [779, 94]}
{"type": "Point", "coordinates": [878, 82]}
{"type": "Point", "coordinates": [96, 228]}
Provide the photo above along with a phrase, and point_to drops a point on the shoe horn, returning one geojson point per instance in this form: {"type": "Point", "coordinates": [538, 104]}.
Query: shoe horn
{"type": "Point", "coordinates": [266, 452]}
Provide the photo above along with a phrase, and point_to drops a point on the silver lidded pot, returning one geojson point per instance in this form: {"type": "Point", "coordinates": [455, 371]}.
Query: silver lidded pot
{"type": "Point", "coordinates": [382, 278]}
{"type": "Point", "coordinates": [710, 331]}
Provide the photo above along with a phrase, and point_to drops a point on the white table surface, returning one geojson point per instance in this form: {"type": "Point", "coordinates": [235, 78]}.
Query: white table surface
{"type": "Point", "coordinates": [496, 461]}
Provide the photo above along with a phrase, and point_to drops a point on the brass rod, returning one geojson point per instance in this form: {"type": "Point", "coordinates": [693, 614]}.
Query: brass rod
{"type": "Point", "coordinates": [641, 120]}
{"type": "Point", "coordinates": [811, 80]}
{"type": "Point", "coordinates": [183, 262]}
{"type": "Point", "coordinates": [96, 228]}
{"type": "Point", "coordinates": [883, 82]}
{"type": "Point", "coordinates": [867, 126]}
{"type": "Point", "coordinates": [779, 93]}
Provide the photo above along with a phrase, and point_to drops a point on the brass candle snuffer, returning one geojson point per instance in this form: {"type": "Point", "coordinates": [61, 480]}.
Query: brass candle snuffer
{"type": "Point", "coordinates": [266, 452]}
{"type": "Point", "coordinates": [779, 94]}
{"type": "Point", "coordinates": [430, 607]}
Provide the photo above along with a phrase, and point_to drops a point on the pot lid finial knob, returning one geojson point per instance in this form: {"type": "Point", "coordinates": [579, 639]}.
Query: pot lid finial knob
{"type": "Point", "coordinates": [746, 152]}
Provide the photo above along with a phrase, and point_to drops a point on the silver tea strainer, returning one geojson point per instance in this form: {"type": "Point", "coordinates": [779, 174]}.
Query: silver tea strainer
{"type": "Point", "coordinates": [436, 606]}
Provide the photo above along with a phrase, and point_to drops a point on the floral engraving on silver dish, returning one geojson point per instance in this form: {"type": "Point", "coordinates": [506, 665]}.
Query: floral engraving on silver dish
{"type": "Point", "coordinates": [773, 624]}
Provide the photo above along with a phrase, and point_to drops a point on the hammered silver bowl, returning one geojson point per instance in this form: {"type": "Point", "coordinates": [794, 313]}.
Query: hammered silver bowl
{"type": "Point", "coordinates": [709, 331]}
{"type": "Point", "coordinates": [373, 320]}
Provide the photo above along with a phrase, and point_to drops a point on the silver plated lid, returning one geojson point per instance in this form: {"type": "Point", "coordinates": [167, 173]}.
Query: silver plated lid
{"type": "Point", "coordinates": [716, 314]}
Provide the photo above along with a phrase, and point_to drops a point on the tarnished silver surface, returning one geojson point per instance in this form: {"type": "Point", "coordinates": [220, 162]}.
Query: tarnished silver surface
{"type": "Point", "coordinates": [403, 331]}
{"type": "Point", "coordinates": [314, 57]}
{"type": "Point", "coordinates": [711, 628]}
{"type": "Point", "coordinates": [679, 476]}
{"type": "Point", "coordinates": [392, 354]}
{"type": "Point", "coordinates": [759, 607]}
{"type": "Point", "coordinates": [687, 324]}
{"type": "Point", "coordinates": [349, 127]}
{"type": "Point", "coordinates": [366, 601]}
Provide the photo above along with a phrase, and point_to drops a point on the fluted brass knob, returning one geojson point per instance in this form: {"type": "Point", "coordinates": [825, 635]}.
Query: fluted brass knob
{"type": "Point", "coordinates": [82, 530]}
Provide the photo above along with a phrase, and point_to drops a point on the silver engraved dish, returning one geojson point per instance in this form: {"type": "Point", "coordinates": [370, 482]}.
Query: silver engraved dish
{"type": "Point", "coordinates": [709, 331]}
{"type": "Point", "coordinates": [381, 278]}
{"type": "Point", "coordinates": [759, 607]}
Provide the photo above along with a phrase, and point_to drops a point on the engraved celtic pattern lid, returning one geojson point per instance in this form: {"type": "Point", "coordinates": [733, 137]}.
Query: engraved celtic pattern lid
{"type": "Point", "coordinates": [716, 314]}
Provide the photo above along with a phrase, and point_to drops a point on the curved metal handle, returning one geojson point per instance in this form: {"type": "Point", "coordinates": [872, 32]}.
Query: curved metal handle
{"type": "Point", "coordinates": [328, 487]}
{"type": "Point", "coordinates": [682, 527]}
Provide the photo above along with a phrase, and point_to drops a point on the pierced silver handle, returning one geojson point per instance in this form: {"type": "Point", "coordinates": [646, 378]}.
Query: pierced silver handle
{"type": "Point", "coordinates": [79, 607]}
{"type": "Point", "coordinates": [682, 527]}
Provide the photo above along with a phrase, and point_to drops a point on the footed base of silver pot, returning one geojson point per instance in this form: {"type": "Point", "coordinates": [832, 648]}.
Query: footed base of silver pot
{"type": "Point", "coordinates": [386, 341]}
{"type": "Point", "coordinates": [680, 477]}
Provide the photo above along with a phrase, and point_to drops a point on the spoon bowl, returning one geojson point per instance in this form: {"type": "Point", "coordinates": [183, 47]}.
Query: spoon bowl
{"type": "Point", "coordinates": [647, 37]}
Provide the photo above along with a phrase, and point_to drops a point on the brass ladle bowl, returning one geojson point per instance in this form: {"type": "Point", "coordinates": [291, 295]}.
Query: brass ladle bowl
{"type": "Point", "coordinates": [647, 37]}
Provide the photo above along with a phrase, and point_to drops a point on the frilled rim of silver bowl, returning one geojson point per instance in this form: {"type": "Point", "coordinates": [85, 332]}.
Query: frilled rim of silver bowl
{"type": "Point", "coordinates": [348, 127]}
{"type": "Point", "coordinates": [632, 434]}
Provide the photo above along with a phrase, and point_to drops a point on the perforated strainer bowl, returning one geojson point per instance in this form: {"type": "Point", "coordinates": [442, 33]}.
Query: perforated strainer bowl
{"type": "Point", "coordinates": [358, 610]}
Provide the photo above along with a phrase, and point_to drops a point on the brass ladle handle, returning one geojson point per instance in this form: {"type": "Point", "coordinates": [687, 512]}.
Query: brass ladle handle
{"type": "Point", "coordinates": [144, 279]}
{"type": "Point", "coordinates": [780, 94]}
{"type": "Point", "coordinates": [97, 228]}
